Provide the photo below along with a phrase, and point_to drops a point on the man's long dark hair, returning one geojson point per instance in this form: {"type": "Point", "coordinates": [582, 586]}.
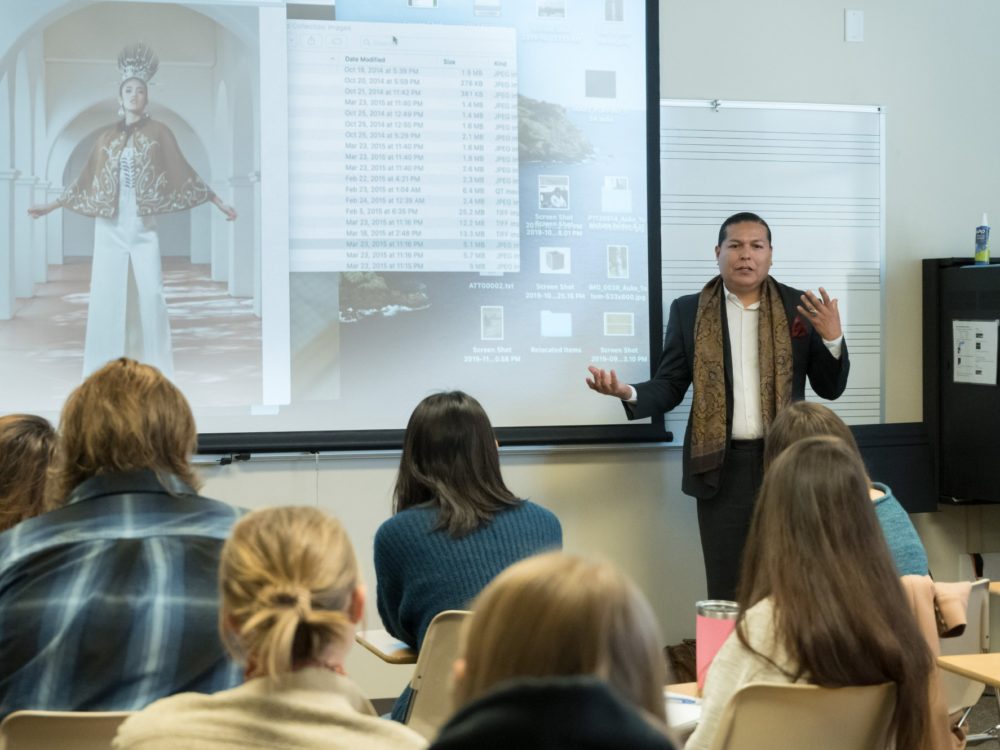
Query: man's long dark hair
{"type": "Point", "coordinates": [450, 459]}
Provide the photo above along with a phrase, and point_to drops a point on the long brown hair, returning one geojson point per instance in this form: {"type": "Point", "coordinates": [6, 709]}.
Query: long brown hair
{"type": "Point", "coordinates": [286, 579]}
{"type": "Point", "coordinates": [802, 419]}
{"type": "Point", "coordinates": [126, 416]}
{"type": "Point", "coordinates": [26, 446]}
{"type": "Point", "coordinates": [815, 548]}
{"type": "Point", "coordinates": [560, 615]}
{"type": "Point", "coordinates": [450, 459]}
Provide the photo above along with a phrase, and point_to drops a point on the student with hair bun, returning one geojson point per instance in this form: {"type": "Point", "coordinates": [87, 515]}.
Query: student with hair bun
{"type": "Point", "coordinates": [291, 597]}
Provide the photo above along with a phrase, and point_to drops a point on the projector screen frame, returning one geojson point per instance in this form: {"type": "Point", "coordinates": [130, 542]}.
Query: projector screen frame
{"type": "Point", "coordinates": [244, 444]}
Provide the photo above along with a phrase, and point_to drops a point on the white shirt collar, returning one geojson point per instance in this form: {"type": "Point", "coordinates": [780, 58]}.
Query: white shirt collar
{"type": "Point", "coordinates": [733, 298]}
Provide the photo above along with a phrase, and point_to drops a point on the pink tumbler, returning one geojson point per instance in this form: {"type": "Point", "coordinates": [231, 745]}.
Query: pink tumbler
{"type": "Point", "coordinates": [714, 621]}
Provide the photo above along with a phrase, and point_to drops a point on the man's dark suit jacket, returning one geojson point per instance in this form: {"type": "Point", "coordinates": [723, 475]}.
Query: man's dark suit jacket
{"type": "Point", "coordinates": [810, 358]}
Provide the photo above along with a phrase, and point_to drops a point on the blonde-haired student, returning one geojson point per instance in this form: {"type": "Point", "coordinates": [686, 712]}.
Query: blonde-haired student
{"type": "Point", "coordinates": [559, 652]}
{"type": "Point", "coordinates": [291, 597]}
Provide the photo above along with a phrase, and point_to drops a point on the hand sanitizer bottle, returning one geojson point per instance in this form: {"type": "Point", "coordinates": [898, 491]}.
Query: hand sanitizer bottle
{"type": "Point", "coordinates": [983, 242]}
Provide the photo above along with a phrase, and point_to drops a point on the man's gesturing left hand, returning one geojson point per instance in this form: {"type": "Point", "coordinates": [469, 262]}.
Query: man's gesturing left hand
{"type": "Point", "coordinates": [822, 313]}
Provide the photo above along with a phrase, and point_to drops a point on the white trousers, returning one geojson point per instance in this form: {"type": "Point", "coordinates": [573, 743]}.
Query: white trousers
{"type": "Point", "coordinates": [118, 241]}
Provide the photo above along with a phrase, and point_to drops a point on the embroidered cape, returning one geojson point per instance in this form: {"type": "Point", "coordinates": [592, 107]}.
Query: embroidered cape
{"type": "Point", "coordinates": [164, 181]}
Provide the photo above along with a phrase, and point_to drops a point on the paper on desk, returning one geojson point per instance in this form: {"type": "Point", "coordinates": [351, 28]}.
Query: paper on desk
{"type": "Point", "coordinates": [384, 642]}
{"type": "Point", "coordinates": [683, 711]}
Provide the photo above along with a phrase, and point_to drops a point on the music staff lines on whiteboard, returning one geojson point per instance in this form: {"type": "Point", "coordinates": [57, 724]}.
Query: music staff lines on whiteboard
{"type": "Point", "coordinates": [845, 219]}
{"type": "Point", "coordinates": [862, 331]}
{"type": "Point", "coordinates": [707, 135]}
{"type": "Point", "coordinates": [813, 149]}
{"type": "Point", "coordinates": [704, 209]}
{"type": "Point", "coordinates": [841, 285]}
{"type": "Point", "coordinates": [797, 277]}
{"type": "Point", "coordinates": [815, 174]}
{"type": "Point", "coordinates": [857, 394]}
{"type": "Point", "coordinates": [859, 407]}
{"type": "Point", "coordinates": [741, 198]}
{"type": "Point", "coordinates": [793, 147]}
{"type": "Point", "coordinates": [763, 158]}
{"type": "Point", "coordinates": [779, 135]}
{"type": "Point", "coordinates": [866, 218]}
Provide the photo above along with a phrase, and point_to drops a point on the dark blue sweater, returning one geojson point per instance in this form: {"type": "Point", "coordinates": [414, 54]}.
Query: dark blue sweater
{"type": "Point", "coordinates": [421, 572]}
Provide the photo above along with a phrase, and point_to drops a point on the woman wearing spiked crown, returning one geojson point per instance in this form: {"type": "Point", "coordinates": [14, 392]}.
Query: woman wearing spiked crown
{"type": "Point", "coordinates": [135, 171]}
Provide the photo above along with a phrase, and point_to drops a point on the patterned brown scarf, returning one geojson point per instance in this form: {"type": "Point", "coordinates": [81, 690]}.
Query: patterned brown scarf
{"type": "Point", "coordinates": [774, 351]}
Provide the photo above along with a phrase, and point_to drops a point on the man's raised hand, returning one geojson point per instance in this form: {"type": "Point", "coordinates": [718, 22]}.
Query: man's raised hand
{"type": "Point", "coordinates": [607, 383]}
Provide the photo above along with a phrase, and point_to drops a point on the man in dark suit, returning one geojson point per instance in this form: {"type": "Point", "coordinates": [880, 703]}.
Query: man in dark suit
{"type": "Point", "coordinates": [747, 344]}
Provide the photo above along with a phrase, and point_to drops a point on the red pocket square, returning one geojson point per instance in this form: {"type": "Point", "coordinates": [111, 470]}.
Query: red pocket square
{"type": "Point", "coordinates": [799, 330]}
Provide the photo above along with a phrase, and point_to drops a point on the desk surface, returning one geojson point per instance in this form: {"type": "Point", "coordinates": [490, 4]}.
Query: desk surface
{"type": "Point", "coordinates": [995, 587]}
{"type": "Point", "coordinates": [979, 667]}
{"type": "Point", "coordinates": [684, 688]}
{"type": "Point", "coordinates": [385, 647]}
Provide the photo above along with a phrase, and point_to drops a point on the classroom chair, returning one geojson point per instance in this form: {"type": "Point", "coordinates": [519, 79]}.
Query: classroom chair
{"type": "Point", "coordinates": [58, 730]}
{"type": "Point", "coordinates": [762, 716]}
{"type": "Point", "coordinates": [430, 704]}
{"type": "Point", "coordinates": [961, 693]}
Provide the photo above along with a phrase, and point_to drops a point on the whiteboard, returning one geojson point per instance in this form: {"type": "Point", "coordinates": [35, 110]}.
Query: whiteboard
{"type": "Point", "coordinates": [816, 174]}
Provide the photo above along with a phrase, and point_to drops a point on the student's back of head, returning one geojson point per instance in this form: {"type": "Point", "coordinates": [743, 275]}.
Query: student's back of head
{"type": "Point", "coordinates": [816, 550]}
{"type": "Point", "coordinates": [554, 626]}
{"type": "Point", "coordinates": [455, 524]}
{"type": "Point", "coordinates": [450, 459]}
{"type": "Point", "coordinates": [561, 615]}
{"type": "Point", "coordinates": [126, 417]}
{"type": "Point", "coordinates": [290, 588]}
{"type": "Point", "coordinates": [109, 600]}
{"type": "Point", "coordinates": [291, 595]}
{"type": "Point", "coordinates": [802, 419]}
{"type": "Point", "coordinates": [27, 443]}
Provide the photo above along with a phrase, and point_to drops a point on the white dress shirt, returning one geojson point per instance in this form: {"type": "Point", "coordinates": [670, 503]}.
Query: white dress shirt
{"type": "Point", "coordinates": [748, 422]}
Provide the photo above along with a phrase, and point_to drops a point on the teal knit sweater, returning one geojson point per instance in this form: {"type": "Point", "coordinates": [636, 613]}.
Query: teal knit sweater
{"type": "Point", "coordinates": [907, 550]}
{"type": "Point", "coordinates": [421, 572]}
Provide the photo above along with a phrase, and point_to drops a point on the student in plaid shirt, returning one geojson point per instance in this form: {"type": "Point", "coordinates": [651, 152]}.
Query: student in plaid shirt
{"type": "Point", "coordinates": [110, 601]}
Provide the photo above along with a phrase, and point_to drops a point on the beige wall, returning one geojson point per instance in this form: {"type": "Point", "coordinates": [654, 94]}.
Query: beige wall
{"type": "Point", "coordinates": [924, 61]}
{"type": "Point", "coordinates": [619, 504]}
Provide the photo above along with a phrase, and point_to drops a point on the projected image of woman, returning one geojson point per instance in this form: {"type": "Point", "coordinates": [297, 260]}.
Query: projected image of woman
{"type": "Point", "coordinates": [135, 171]}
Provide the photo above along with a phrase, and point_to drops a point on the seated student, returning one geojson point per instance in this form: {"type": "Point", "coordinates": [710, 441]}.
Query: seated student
{"type": "Point", "coordinates": [291, 596]}
{"type": "Point", "coordinates": [559, 653]}
{"type": "Point", "coordinates": [820, 599]}
{"type": "Point", "coordinates": [26, 445]}
{"type": "Point", "coordinates": [109, 601]}
{"type": "Point", "coordinates": [455, 523]}
{"type": "Point", "coordinates": [804, 419]}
